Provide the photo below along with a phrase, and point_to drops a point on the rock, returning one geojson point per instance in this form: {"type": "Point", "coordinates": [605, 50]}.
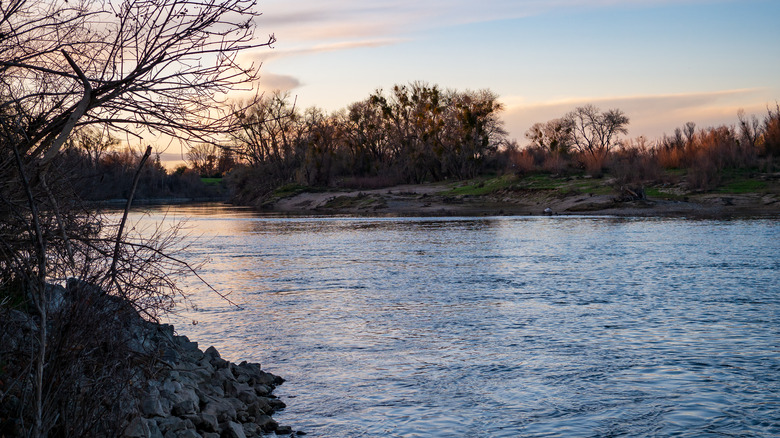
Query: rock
{"type": "Point", "coordinates": [187, 433]}
{"type": "Point", "coordinates": [184, 407]}
{"type": "Point", "coordinates": [284, 430]}
{"type": "Point", "coordinates": [262, 390]}
{"type": "Point", "coordinates": [247, 396]}
{"type": "Point", "coordinates": [170, 355]}
{"type": "Point", "coordinates": [171, 386]}
{"type": "Point", "coordinates": [218, 362]}
{"type": "Point", "coordinates": [269, 379]}
{"type": "Point", "coordinates": [174, 424]}
{"type": "Point", "coordinates": [276, 404]}
{"type": "Point", "coordinates": [259, 407]}
{"type": "Point", "coordinates": [151, 406]}
{"type": "Point", "coordinates": [137, 428]}
{"type": "Point", "coordinates": [250, 429]}
{"type": "Point", "coordinates": [266, 423]}
{"type": "Point", "coordinates": [230, 386]}
{"type": "Point", "coordinates": [186, 345]}
{"type": "Point", "coordinates": [55, 297]}
{"type": "Point", "coordinates": [231, 429]}
{"type": "Point", "coordinates": [154, 429]}
{"type": "Point", "coordinates": [204, 422]}
{"type": "Point", "coordinates": [181, 393]}
{"type": "Point", "coordinates": [142, 428]}
{"type": "Point", "coordinates": [220, 408]}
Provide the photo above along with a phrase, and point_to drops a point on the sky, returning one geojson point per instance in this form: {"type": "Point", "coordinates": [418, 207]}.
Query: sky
{"type": "Point", "coordinates": [663, 62]}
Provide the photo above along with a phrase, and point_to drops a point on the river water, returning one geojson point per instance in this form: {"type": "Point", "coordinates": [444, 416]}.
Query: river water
{"type": "Point", "coordinates": [496, 327]}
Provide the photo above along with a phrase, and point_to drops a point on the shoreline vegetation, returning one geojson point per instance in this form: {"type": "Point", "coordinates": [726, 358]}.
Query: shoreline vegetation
{"type": "Point", "coordinates": [743, 195]}
{"type": "Point", "coordinates": [450, 148]}
{"type": "Point", "coordinates": [421, 149]}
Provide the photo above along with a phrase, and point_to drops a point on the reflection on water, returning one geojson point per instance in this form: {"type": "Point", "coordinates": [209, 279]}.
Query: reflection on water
{"type": "Point", "coordinates": [562, 326]}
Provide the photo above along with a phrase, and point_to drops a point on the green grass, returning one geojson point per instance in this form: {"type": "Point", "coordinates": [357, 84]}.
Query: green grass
{"type": "Point", "coordinates": [211, 181]}
{"type": "Point", "coordinates": [289, 190]}
{"type": "Point", "coordinates": [676, 172]}
{"type": "Point", "coordinates": [594, 186]}
{"type": "Point", "coordinates": [741, 186]}
{"type": "Point", "coordinates": [535, 182]}
{"type": "Point", "coordinates": [655, 192]}
{"type": "Point", "coordinates": [482, 186]}
{"type": "Point", "coordinates": [361, 201]}
{"type": "Point", "coordinates": [541, 182]}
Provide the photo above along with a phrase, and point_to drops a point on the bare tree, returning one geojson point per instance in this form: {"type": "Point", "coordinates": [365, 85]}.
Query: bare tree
{"type": "Point", "coordinates": [749, 127]}
{"type": "Point", "coordinates": [555, 135]}
{"type": "Point", "coordinates": [203, 158]}
{"type": "Point", "coordinates": [160, 66]}
{"type": "Point", "coordinates": [94, 142]}
{"type": "Point", "coordinates": [594, 132]}
{"type": "Point", "coordinates": [690, 131]}
{"type": "Point", "coordinates": [266, 129]}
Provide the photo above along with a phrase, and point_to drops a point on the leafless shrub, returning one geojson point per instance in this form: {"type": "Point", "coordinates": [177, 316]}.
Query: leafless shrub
{"type": "Point", "coordinates": [556, 164]}
{"type": "Point", "coordinates": [633, 163]}
{"type": "Point", "coordinates": [156, 65]}
{"type": "Point", "coordinates": [769, 140]}
{"type": "Point", "coordinates": [703, 174]}
{"type": "Point", "coordinates": [523, 161]}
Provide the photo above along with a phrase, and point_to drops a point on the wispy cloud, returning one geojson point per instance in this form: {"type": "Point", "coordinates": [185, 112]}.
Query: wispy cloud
{"type": "Point", "coordinates": [352, 19]}
{"type": "Point", "coordinates": [271, 81]}
{"type": "Point", "coordinates": [321, 48]}
{"type": "Point", "coordinates": [651, 115]}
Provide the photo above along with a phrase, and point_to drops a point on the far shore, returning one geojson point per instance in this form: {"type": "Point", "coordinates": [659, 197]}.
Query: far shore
{"type": "Point", "coordinates": [438, 200]}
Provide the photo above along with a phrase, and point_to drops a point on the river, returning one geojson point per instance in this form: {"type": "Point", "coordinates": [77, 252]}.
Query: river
{"type": "Point", "coordinates": [495, 326]}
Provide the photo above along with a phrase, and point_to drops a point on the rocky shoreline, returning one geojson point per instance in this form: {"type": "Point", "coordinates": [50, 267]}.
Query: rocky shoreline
{"type": "Point", "coordinates": [203, 395]}
{"type": "Point", "coordinates": [126, 376]}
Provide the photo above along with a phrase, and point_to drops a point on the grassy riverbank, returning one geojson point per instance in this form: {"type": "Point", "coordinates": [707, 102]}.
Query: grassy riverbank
{"type": "Point", "coordinates": [740, 193]}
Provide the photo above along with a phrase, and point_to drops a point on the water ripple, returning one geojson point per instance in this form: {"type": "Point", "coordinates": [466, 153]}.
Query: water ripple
{"type": "Point", "coordinates": [500, 327]}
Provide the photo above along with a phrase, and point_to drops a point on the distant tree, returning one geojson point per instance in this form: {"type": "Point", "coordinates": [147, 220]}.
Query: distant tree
{"type": "Point", "coordinates": [203, 158]}
{"type": "Point", "coordinates": [749, 128]}
{"type": "Point", "coordinates": [93, 142]}
{"type": "Point", "coordinates": [556, 135]}
{"type": "Point", "coordinates": [595, 133]}
{"type": "Point", "coordinates": [362, 133]}
{"type": "Point", "coordinates": [226, 160]}
{"type": "Point", "coordinates": [432, 134]}
{"type": "Point", "coordinates": [318, 141]}
{"type": "Point", "coordinates": [480, 129]}
{"type": "Point", "coordinates": [267, 130]}
{"type": "Point", "coordinates": [690, 131]}
{"type": "Point", "coordinates": [180, 169]}
{"type": "Point", "coordinates": [771, 132]}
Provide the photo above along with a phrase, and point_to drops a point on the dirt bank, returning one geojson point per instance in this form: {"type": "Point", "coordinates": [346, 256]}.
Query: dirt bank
{"type": "Point", "coordinates": [441, 200]}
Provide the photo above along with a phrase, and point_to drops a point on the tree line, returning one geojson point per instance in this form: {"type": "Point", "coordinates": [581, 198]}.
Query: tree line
{"type": "Point", "coordinates": [411, 134]}
{"type": "Point", "coordinates": [589, 140]}
{"type": "Point", "coordinates": [420, 133]}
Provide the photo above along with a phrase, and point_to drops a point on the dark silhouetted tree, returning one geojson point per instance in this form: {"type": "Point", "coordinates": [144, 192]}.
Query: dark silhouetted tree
{"type": "Point", "coordinates": [160, 66]}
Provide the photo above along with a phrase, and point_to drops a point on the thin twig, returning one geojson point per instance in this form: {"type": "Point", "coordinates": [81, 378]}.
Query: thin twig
{"type": "Point", "coordinates": [112, 271]}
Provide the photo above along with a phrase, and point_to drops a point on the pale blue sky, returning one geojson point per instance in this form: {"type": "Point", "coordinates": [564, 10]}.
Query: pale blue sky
{"type": "Point", "coordinates": [663, 62]}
